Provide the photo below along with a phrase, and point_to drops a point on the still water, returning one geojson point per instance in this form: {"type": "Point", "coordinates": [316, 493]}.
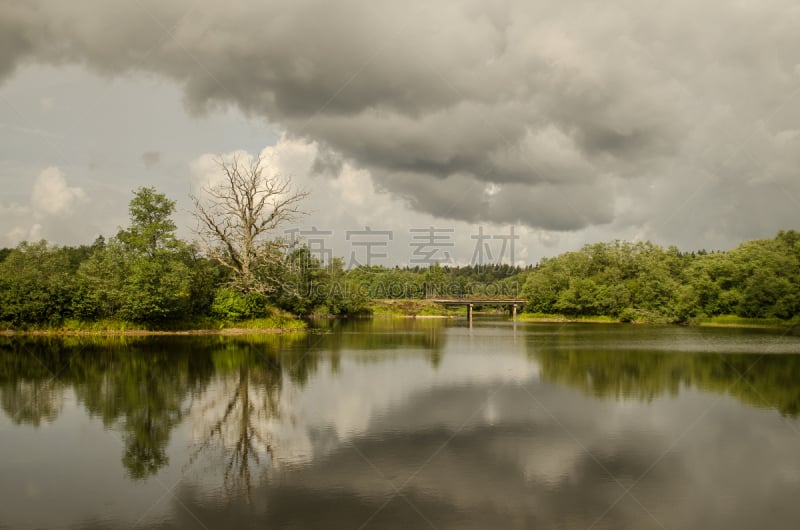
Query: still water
{"type": "Point", "coordinates": [404, 424]}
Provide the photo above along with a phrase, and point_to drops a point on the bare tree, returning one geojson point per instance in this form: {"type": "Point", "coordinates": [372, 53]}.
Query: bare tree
{"type": "Point", "coordinates": [237, 217]}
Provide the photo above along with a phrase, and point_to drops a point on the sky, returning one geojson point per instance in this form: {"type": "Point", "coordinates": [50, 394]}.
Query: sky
{"type": "Point", "coordinates": [449, 129]}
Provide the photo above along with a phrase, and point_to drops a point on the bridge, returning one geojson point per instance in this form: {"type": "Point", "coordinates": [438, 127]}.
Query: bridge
{"type": "Point", "coordinates": [511, 303]}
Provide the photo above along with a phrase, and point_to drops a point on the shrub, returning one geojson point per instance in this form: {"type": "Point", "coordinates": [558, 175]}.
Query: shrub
{"type": "Point", "coordinates": [231, 304]}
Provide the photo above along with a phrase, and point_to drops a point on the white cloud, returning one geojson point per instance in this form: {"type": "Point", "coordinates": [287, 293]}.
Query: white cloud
{"type": "Point", "coordinates": [350, 200]}
{"type": "Point", "coordinates": [205, 171]}
{"type": "Point", "coordinates": [52, 196]}
{"type": "Point", "coordinates": [52, 201]}
{"type": "Point", "coordinates": [24, 233]}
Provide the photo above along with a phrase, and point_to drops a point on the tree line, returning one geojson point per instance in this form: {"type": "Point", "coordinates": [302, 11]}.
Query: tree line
{"type": "Point", "coordinates": [145, 274]}
{"type": "Point", "coordinates": [237, 271]}
{"type": "Point", "coordinates": [643, 281]}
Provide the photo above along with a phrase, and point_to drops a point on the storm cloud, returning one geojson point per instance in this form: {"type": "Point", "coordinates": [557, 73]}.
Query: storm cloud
{"type": "Point", "coordinates": [559, 116]}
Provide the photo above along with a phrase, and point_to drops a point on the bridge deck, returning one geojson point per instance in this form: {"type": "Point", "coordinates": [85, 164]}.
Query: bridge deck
{"type": "Point", "coordinates": [477, 301]}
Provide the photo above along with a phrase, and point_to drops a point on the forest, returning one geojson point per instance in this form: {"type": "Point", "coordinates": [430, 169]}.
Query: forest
{"type": "Point", "coordinates": [146, 276]}
{"type": "Point", "coordinates": [646, 282]}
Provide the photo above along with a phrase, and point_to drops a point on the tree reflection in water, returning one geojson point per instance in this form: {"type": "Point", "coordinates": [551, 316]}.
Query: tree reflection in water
{"type": "Point", "coordinates": [768, 381]}
{"type": "Point", "coordinates": [144, 387]}
{"type": "Point", "coordinates": [236, 413]}
{"type": "Point", "coordinates": [31, 391]}
{"type": "Point", "coordinates": [32, 402]}
{"type": "Point", "coordinates": [230, 388]}
{"type": "Point", "coordinates": [134, 385]}
{"type": "Point", "coordinates": [142, 395]}
{"type": "Point", "coordinates": [239, 434]}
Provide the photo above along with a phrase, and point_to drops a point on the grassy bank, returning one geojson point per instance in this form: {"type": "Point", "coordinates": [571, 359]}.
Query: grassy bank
{"type": "Point", "coordinates": [399, 308]}
{"type": "Point", "coordinates": [552, 317]}
{"type": "Point", "coordinates": [719, 321]}
{"type": "Point", "coordinates": [280, 322]}
{"type": "Point", "coordinates": [276, 323]}
{"type": "Point", "coordinates": [741, 322]}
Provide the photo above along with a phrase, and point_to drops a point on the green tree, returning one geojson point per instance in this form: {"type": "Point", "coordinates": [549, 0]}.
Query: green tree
{"type": "Point", "coordinates": [37, 284]}
{"type": "Point", "coordinates": [435, 281]}
{"type": "Point", "coordinates": [579, 298]}
{"type": "Point", "coordinates": [142, 274]}
{"type": "Point", "coordinates": [101, 283]}
{"type": "Point", "coordinates": [152, 229]}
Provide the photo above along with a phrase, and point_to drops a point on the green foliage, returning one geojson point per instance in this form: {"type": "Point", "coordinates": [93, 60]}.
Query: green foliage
{"type": "Point", "coordinates": [411, 307]}
{"type": "Point", "coordinates": [100, 282]}
{"type": "Point", "coordinates": [645, 282]}
{"type": "Point", "coordinates": [141, 275]}
{"type": "Point", "coordinates": [116, 283]}
{"type": "Point", "coordinates": [230, 304]}
{"type": "Point", "coordinates": [205, 276]}
{"type": "Point", "coordinates": [436, 281]}
{"type": "Point", "coordinates": [578, 299]}
{"type": "Point", "coordinates": [737, 321]}
{"type": "Point", "coordinates": [156, 289]}
{"type": "Point", "coordinates": [309, 288]}
{"type": "Point", "coordinates": [152, 228]}
{"type": "Point", "coordinates": [37, 285]}
{"type": "Point", "coordinates": [147, 277]}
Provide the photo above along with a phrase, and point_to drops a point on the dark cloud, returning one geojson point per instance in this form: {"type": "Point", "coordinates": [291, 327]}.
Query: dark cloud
{"type": "Point", "coordinates": [555, 111]}
{"type": "Point", "coordinates": [14, 38]}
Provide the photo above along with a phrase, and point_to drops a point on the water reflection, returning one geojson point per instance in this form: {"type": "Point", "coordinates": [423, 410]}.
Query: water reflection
{"type": "Point", "coordinates": [140, 385]}
{"type": "Point", "coordinates": [404, 423]}
{"type": "Point", "coordinates": [611, 367]}
{"type": "Point", "coordinates": [135, 386]}
{"type": "Point", "coordinates": [233, 421]}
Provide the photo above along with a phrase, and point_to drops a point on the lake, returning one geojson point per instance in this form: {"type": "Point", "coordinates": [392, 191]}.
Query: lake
{"type": "Point", "coordinates": [404, 424]}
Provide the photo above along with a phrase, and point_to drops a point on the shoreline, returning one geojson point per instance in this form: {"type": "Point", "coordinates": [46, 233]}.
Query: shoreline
{"type": "Point", "coordinates": [149, 332]}
{"type": "Point", "coordinates": [555, 320]}
{"type": "Point", "coordinates": [390, 315]}
{"type": "Point", "coordinates": [254, 330]}
{"type": "Point", "coordinates": [702, 324]}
